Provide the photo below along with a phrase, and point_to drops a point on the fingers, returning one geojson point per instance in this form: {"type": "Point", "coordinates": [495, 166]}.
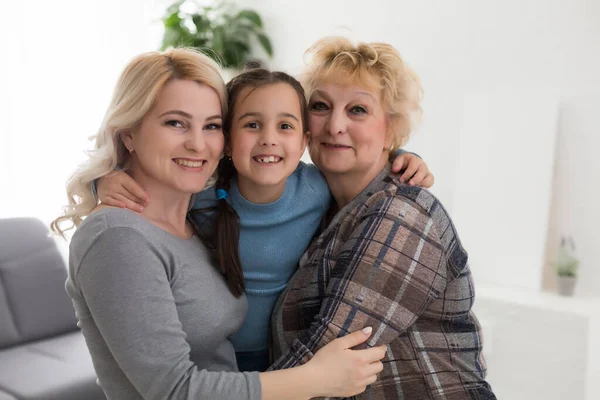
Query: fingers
{"type": "Point", "coordinates": [410, 170]}
{"type": "Point", "coordinates": [418, 176]}
{"type": "Point", "coordinates": [355, 338]}
{"type": "Point", "coordinates": [128, 203]}
{"type": "Point", "coordinates": [109, 201]}
{"type": "Point", "coordinates": [399, 163]}
{"type": "Point", "coordinates": [136, 190]}
{"type": "Point", "coordinates": [428, 181]}
{"type": "Point", "coordinates": [373, 354]}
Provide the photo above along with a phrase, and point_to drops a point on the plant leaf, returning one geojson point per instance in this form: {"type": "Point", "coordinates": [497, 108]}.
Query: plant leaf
{"type": "Point", "coordinates": [251, 16]}
{"type": "Point", "coordinates": [218, 40]}
{"type": "Point", "coordinates": [172, 21]}
{"type": "Point", "coordinates": [265, 43]}
{"type": "Point", "coordinates": [202, 23]}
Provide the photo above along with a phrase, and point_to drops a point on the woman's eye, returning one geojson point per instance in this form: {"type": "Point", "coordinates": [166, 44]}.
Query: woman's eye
{"type": "Point", "coordinates": [358, 110]}
{"type": "Point", "coordinates": [285, 126]}
{"type": "Point", "coordinates": [213, 127]}
{"type": "Point", "coordinates": [318, 106]}
{"type": "Point", "coordinates": [251, 125]}
{"type": "Point", "coordinates": [174, 123]}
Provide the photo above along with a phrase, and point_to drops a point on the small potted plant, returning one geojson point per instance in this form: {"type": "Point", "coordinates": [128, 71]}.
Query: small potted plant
{"type": "Point", "coordinates": [566, 267]}
{"type": "Point", "coordinates": [221, 31]}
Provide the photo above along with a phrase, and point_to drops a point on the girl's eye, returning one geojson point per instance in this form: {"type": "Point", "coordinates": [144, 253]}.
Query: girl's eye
{"type": "Point", "coordinates": [174, 123]}
{"type": "Point", "coordinates": [251, 125]}
{"type": "Point", "coordinates": [318, 106]}
{"type": "Point", "coordinates": [358, 110]}
{"type": "Point", "coordinates": [213, 127]}
{"type": "Point", "coordinates": [285, 126]}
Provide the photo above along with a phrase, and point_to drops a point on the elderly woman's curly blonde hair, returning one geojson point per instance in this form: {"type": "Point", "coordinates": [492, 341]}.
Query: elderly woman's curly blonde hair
{"type": "Point", "coordinates": [375, 66]}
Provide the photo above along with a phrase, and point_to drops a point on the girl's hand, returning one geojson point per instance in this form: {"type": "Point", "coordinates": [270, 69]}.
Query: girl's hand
{"type": "Point", "coordinates": [414, 170]}
{"type": "Point", "coordinates": [118, 189]}
{"type": "Point", "coordinates": [340, 371]}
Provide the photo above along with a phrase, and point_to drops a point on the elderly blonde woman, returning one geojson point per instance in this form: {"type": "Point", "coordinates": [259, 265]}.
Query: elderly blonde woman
{"type": "Point", "coordinates": [389, 256]}
{"type": "Point", "coordinates": [157, 316]}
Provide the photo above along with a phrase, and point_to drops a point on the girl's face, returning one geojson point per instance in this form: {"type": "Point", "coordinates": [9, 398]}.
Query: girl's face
{"type": "Point", "coordinates": [349, 130]}
{"type": "Point", "coordinates": [267, 140]}
{"type": "Point", "coordinates": [180, 140]}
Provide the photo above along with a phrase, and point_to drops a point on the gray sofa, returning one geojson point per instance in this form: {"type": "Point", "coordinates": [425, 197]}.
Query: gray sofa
{"type": "Point", "coordinates": [42, 352]}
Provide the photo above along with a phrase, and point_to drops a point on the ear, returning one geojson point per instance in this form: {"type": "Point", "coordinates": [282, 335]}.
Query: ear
{"type": "Point", "coordinates": [127, 139]}
{"type": "Point", "coordinates": [306, 139]}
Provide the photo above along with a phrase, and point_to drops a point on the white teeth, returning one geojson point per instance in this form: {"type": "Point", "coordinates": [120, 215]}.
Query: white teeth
{"type": "Point", "coordinates": [188, 163]}
{"type": "Point", "coordinates": [268, 159]}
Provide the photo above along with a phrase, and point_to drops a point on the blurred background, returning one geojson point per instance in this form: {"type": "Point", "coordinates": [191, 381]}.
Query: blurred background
{"type": "Point", "coordinates": [511, 131]}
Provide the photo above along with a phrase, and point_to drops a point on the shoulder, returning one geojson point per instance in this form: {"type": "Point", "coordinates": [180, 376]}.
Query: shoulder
{"type": "Point", "coordinates": [419, 211]}
{"type": "Point", "coordinates": [414, 206]}
{"type": "Point", "coordinates": [112, 232]}
{"type": "Point", "coordinates": [205, 199]}
{"type": "Point", "coordinates": [311, 182]}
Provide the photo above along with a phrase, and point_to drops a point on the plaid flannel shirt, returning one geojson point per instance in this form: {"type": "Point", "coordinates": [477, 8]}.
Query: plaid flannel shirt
{"type": "Point", "coordinates": [391, 259]}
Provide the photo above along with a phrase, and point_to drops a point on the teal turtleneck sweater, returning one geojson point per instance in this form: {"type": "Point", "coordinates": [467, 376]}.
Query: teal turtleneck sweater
{"type": "Point", "coordinates": [273, 237]}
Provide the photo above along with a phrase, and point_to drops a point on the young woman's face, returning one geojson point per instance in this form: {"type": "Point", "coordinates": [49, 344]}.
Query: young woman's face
{"type": "Point", "coordinates": [349, 130]}
{"type": "Point", "coordinates": [267, 138]}
{"type": "Point", "coordinates": [180, 140]}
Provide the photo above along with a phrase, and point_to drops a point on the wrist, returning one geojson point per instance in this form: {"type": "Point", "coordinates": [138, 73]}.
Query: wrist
{"type": "Point", "coordinates": [313, 380]}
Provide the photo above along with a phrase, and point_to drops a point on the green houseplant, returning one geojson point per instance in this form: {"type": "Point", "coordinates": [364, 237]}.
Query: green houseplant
{"type": "Point", "coordinates": [221, 31]}
{"type": "Point", "coordinates": [566, 266]}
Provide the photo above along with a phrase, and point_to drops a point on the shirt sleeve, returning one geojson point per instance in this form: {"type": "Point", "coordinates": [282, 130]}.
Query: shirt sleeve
{"type": "Point", "coordinates": [127, 290]}
{"type": "Point", "coordinates": [389, 269]}
{"type": "Point", "coordinates": [205, 199]}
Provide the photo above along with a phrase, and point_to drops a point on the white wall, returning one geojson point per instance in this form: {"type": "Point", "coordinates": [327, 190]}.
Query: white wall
{"type": "Point", "coordinates": [466, 46]}
{"type": "Point", "coordinates": [59, 61]}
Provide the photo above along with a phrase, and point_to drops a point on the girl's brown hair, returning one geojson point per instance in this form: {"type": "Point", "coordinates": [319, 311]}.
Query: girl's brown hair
{"type": "Point", "coordinates": [224, 238]}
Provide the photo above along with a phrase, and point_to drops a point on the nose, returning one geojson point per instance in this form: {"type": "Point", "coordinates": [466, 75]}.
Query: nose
{"type": "Point", "coordinates": [337, 123]}
{"type": "Point", "coordinates": [268, 137]}
{"type": "Point", "coordinates": [195, 141]}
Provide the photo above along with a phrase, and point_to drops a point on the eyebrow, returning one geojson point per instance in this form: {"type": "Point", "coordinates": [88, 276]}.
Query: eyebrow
{"type": "Point", "coordinates": [256, 114]}
{"type": "Point", "coordinates": [186, 115]}
{"type": "Point", "coordinates": [326, 95]}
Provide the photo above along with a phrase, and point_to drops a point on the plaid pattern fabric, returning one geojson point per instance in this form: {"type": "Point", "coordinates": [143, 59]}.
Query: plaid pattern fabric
{"type": "Point", "coordinates": [391, 259]}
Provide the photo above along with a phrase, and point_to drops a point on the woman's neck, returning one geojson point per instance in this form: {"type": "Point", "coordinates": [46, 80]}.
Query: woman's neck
{"type": "Point", "coordinates": [167, 208]}
{"type": "Point", "coordinates": [346, 186]}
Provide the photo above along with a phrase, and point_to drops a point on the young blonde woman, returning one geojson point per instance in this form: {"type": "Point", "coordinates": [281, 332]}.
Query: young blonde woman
{"type": "Point", "coordinates": [390, 256]}
{"type": "Point", "coordinates": [155, 312]}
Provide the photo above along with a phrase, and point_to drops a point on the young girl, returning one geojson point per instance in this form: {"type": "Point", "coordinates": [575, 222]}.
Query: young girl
{"type": "Point", "coordinates": [266, 205]}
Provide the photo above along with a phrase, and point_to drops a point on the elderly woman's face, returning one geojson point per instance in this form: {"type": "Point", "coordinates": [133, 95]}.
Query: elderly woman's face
{"type": "Point", "coordinates": [180, 139]}
{"type": "Point", "coordinates": [349, 129]}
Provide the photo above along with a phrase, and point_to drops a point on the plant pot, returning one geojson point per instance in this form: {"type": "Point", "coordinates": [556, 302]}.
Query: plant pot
{"type": "Point", "coordinates": [566, 285]}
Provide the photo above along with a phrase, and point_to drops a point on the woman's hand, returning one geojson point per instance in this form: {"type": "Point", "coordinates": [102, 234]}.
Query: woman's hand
{"type": "Point", "coordinates": [414, 170]}
{"type": "Point", "coordinates": [339, 371]}
{"type": "Point", "coordinates": [118, 189]}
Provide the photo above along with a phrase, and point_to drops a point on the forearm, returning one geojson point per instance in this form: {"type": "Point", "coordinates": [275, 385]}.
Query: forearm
{"type": "Point", "coordinates": [299, 383]}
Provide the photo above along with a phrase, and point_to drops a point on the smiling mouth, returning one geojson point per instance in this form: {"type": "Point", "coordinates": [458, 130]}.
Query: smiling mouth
{"type": "Point", "coordinates": [267, 159]}
{"type": "Point", "coordinates": [335, 146]}
{"type": "Point", "coordinates": [190, 163]}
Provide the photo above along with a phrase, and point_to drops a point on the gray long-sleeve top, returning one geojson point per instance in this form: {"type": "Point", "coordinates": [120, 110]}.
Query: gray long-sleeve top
{"type": "Point", "coordinates": [155, 314]}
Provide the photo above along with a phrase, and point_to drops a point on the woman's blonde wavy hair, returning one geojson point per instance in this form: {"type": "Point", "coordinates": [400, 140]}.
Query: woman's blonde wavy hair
{"type": "Point", "coordinates": [376, 66]}
{"type": "Point", "coordinates": [135, 94]}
